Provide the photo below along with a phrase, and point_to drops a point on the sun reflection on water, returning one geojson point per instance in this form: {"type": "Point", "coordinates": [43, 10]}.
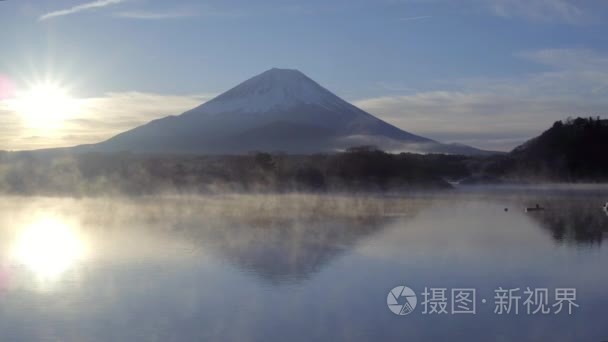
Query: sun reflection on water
{"type": "Point", "coordinates": [48, 247]}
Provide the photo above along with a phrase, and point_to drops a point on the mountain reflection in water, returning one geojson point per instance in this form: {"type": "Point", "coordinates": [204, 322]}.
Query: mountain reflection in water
{"type": "Point", "coordinates": [291, 267]}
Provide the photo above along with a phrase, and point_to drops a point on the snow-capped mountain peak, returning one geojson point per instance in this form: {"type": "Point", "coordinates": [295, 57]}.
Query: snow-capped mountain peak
{"type": "Point", "coordinates": [275, 89]}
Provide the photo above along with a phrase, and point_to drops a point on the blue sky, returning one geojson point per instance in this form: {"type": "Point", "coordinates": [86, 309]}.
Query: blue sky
{"type": "Point", "coordinates": [490, 73]}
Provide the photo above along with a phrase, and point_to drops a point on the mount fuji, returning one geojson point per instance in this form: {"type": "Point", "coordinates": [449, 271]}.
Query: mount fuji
{"type": "Point", "coordinates": [278, 110]}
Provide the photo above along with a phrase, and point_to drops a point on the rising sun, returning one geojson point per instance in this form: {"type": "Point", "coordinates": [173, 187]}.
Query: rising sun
{"type": "Point", "coordinates": [45, 105]}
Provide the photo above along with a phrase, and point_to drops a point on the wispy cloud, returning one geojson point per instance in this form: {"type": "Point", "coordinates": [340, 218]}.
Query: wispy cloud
{"type": "Point", "coordinates": [415, 18]}
{"type": "Point", "coordinates": [577, 59]}
{"type": "Point", "coordinates": [157, 15]}
{"type": "Point", "coordinates": [80, 8]}
{"type": "Point", "coordinates": [543, 10]}
{"type": "Point", "coordinates": [564, 11]}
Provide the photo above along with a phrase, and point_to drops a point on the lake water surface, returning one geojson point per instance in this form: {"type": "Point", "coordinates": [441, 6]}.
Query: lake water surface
{"type": "Point", "coordinates": [299, 267]}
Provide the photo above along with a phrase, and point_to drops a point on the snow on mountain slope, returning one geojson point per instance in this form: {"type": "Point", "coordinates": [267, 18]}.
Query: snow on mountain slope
{"type": "Point", "coordinates": [274, 89]}
{"type": "Point", "coordinates": [278, 110]}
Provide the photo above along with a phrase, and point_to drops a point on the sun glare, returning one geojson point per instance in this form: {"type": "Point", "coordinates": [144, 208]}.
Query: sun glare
{"type": "Point", "coordinates": [45, 105]}
{"type": "Point", "coordinates": [49, 247]}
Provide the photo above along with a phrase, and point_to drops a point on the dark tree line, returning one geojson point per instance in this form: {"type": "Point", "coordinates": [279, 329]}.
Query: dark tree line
{"type": "Point", "coordinates": [359, 169]}
{"type": "Point", "coordinates": [570, 151]}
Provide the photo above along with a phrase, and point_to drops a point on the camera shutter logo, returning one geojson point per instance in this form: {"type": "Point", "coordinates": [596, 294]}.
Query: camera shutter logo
{"type": "Point", "coordinates": [401, 300]}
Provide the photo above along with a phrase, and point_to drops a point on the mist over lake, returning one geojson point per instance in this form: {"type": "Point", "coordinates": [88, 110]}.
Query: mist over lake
{"type": "Point", "coordinates": [296, 266]}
